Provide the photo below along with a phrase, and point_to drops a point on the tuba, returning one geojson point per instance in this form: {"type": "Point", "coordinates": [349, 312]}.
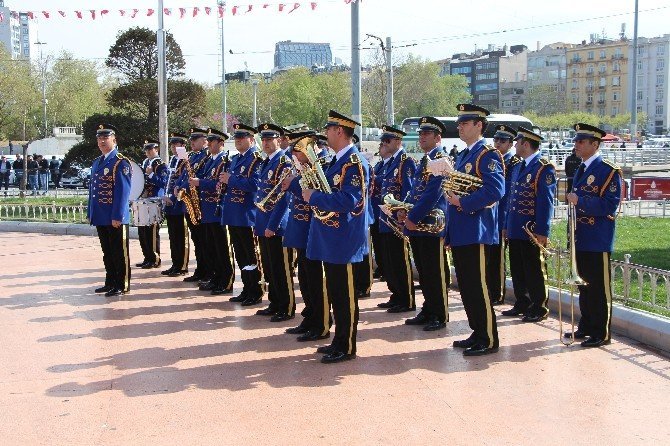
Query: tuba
{"type": "Point", "coordinates": [435, 224]}
{"type": "Point", "coordinates": [456, 182]}
{"type": "Point", "coordinates": [312, 176]}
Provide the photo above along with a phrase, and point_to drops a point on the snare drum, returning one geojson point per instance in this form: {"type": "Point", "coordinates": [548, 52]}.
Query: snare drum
{"type": "Point", "coordinates": [147, 211]}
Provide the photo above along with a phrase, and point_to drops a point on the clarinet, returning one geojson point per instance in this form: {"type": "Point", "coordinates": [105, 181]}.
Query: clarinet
{"type": "Point", "coordinates": [220, 186]}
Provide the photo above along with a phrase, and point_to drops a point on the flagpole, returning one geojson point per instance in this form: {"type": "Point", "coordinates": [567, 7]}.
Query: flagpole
{"type": "Point", "coordinates": [162, 85]}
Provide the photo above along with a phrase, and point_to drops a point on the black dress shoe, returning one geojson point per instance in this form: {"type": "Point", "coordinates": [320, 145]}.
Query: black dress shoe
{"type": "Point", "coordinates": [300, 329]}
{"type": "Point", "coordinates": [239, 298]}
{"type": "Point", "coordinates": [434, 324]}
{"type": "Point", "coordinates": [498, 302]}
{"type": "Point", "coordinates": [479, 350]}
{"type": "Point", "coordinates": [361, 294]}
{"type": "Point", "coordinates": [220, 290]}
{"type": "Point", "coordinates": [312, 336]}
{"type": "Point", "coordinates": [594, 341]}
{"type": "Point", "coordinates": [388, 304]}
{"type": "Point", "coordinates": [534, 317]}
{"type": "Point", "coordinates": [578, 334]}
{"type": "Point", "coordinates": [168, 271]}
{"type": "Point", "coordinates": [141, 264]}
{"type": "Point", "coordinates": [464, 343]}
{"type": "Point", "coordinates": [281, 317]}
{"type": "Point", "coordinates": [193, 278]}
{"type": "Point", "coordinates": [269, 311]}
{"type": "Point", "coordinates": [103, 289]}
{"type": "Point", "coordinates": [150, 265]}
{"type": "Point", "coordinates": [335, 356]}
{"type": "Point", "coordinates": [207, 286]}
{"type": "Point", "coordinates": [400, 309]}
{"type": "Point", "coordinates": [114, 292]}
{"type": "Point", "coordinates": [419, 319]}
{"type": "Point", "coordinates": [513, 312]}
{"type": "Point", "coordinates": [326, 349]}
{"type": "Point", "coordinates": [252, 301]}
{"type": "Point", "coordinates": [177, 273]}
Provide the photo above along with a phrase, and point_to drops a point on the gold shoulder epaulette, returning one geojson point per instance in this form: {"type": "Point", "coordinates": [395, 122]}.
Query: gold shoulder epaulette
{"type": "Point", "coordinates": [121, 157]}
{"type": "Point", "coordinates": [355, 159]}
{"type": "Point", "coordinates": [403, 157]}
{"type": "Point", "coordinates": [544, 161]}
{"type": "Point", "coordinates": [283, 159]}
{"type": "Point", "coordinates": [489, 147]}
{"type": "Point", "coordinates": [439, 155]}
{"type": "Point", "coordinates": [611, 164]}
{"type": "Point", "coordinates": [322, 161]}
{"type": "Point", "coordinates": [514, 160]}
{"type": "Point", "coordinates": [257, 154]}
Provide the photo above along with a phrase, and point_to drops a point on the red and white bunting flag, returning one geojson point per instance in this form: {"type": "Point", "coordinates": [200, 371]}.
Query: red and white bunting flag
{"type": "Point", "coordinates": [281, 7]}
{"type": "Point", "coordinates": [92, 11]}
{"type": "Point", "coordinates": [196, 10]}
{"type": "Point", "coordinates": [79, 14]}
{"type": "Point", "coordinates": [266, 5]}
{"type": "Point", "coordinates": [62, 13]}
{"type": "Point", "coordinates": [150, 12]}
{"type": "Point", "coordinates": [220, 12]}
{"type": "Point", "coordinates": [295, 6]}
{"type": "Point", "coordinates": [46, 14]}
{"type": "Point", "coordinates": [2, 17]}
{"type": "Point", "coordinates": [167, 11]}
{"type": "Point", "coordinates": [208, 10]}
{"type": "Point", "coordinates": [31, 15]}
{"type": "Point", "coordinates": [182, 12]}
{"type": "Point", "coordinates": [313, 5]}
{"type": "Point", "coordinates": [235, 10]}
{"type": "Point", "coordinates": [134, 13]}
{"type": "Point", "coordinates": [250, 8]}
{"type": "Point", "coordinates": [122, 12]}
{"type": "Point", "coordinates": [104, 12]}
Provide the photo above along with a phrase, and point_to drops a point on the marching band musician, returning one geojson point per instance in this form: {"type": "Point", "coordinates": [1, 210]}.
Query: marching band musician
{"type": "Point", "coordinates": [531, 206]}
{"type": "Point", "coordinates": [340, 239]}
{"type": "Point", "coordinates": [428, 247]}
{"type": "Point", "coordinates": [375, 200]}
{"type": "Point", "coordinates": [396, 180]}
{"type": "Point", "coordinates": [503, 140]}
{"type": "Point", "coordinates": [175, 213]}
{"type": "Point", "coordinates": [197, 158]}
{"type": "Point", "coordinates": [596, 194]}
{"type": "Point", "coordinates": [216, 245]}
{"type": "Point", "coordinates": [108, 210]}
{"type": "Point", "coordinates": [473, 225]}
{"type": "Point", "coordinates": [155, 181]}
{"type": "Point", "coordinates": [239, 212]}
{"type": "Point", "coordinates": [316, 314]}
{"type": "Point", "coordinates": [270, 224]}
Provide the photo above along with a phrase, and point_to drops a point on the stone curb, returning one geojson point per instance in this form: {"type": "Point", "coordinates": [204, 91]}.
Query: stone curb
{"type": "Point", "coordinates": [58, 228]}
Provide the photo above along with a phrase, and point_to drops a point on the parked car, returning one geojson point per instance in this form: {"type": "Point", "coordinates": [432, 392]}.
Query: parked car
{"type": "Point", "coordinates": [76, 177]}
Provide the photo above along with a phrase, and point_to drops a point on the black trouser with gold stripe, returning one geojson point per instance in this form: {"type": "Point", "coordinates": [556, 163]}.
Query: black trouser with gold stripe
{"type": "Point", "coordinates": [363, 275]}
{"type": "Point", "coordinates": [218, 251]}
{"type": "Point", "coordinates": [470, 264]}
{"type": "Point", "coordinates": [150, 242]}
{"type": "Point", "coordinates": [595, 299]}
{"type": "Point", "coordinates": [316, 314]}
{"type": "Point", "coordinates": [340, 288]}
{"type": "Point", "coordinates": [495, 271]}
{"type": "Point", "coordinates": [179, 245]}
{"type": "Point", "coordinates": [378, 248]}
{"type": "Point", "coordinates": [114, 244]}
{"type": "Point", "coordinates": [242, 238]}
{"type": "Point", "coordinates": [399, 276]}
{"type": "Point", "coordinates": [431, 262]}
{"type": "Point", "coordinates": [529, 277]}
{"type": "Point", "coordinates": [202, 267]}
{"type": "Point", "coordinates": [276, 260]}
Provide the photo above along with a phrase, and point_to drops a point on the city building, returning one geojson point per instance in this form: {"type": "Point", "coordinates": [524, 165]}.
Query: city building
{"type": "Point", "coordinates": [653, 77]}
{"type": "Point", "coordinates": [15, 32]}
{"type": "Point", "coordinates": [597, 76]}
{"type": "Point", "coordinates": [513, 97]}
{"type": "Point", "coordinates": [486, 70]}
{"type": "Point", "coordinates": [547, 76]}
{"type": "Point", "coordinates": [302, 54]}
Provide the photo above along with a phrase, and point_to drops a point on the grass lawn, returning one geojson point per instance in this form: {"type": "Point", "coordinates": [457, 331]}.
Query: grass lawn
{"type": "Point", "coordinates": [65, 201]}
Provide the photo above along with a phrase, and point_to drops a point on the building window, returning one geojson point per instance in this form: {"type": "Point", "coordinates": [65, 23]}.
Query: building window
{"type": "Point", "coordinates": [484, 76]}
{"type": "Point", "coordinates": [602, 68]}
{"type": "Point", "coordinates": [461, 70]}
{"type": "Point", "coordinates": [575, 99]}
{"type": "Point", "coordinates": [602, 54]}
{"type": "Point", "coordinates": [640, 96]}
{"type": "Point", "coordinates": [603, 81]}
{"type": "Point", "coordinates": [589, 98]}
{"type": "Point", "coordinates": [589, 55]}
{"type": "Point", "coordinates": [615, 110]}
{"type": "Point", "coordinates": [615, 96]}
{"type": "Point", "coordinates": [601, 111]}
{"type": "Point", "coordinates": [660, 80]}
{"type": "Point", "coordinates": [640, 50]}
{"type": "Point", "coordinates": [488, 97]}
{"type": "Point", "coordinates": [601, 97]}
{"type": "Point", "coordinates": [574, 71]}
{"type": "Point", "coordinates": [589, 70]}
{"type": "Point", "coordinates": [487, 86]}
{"type": "Point", "coordinates": [616, 67]}
{"type": "Point", "coordinates": [639, 64]}
{"type": "Point", "coordinates": [575, 84]}
{"type": "Point", "coordinates": [659, 95]}
{"type": "Point", "coordinates": [616, 81]}
{"type": "Point", "coordinates": [659, 110]}
{"type": "Point", "coordinates": [487, 66]}
{"type": "Point", "coordinates": [660, 64]}
{"type": "Point", "coordinates": [660, 50]}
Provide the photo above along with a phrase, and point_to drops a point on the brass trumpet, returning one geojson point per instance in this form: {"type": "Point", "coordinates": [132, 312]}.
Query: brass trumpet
{"type": "Point", "coordinates": [456, 182]}
{"type": "Point", "coordinates": [268, 202]}
{"type": "Point", "coordinates": [313, 177]}
{"type": "Point", "coordinates": [391, 204]}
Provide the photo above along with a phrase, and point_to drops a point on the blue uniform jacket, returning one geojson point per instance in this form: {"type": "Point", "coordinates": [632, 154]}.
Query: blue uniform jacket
{"type": "Point", "coordinates": [426, 195]}
{"type": "Point", "coordinates": [342, 238]}
{"type": "Point", "coordinates": [376, 190]}
{"type": "Point", "coordinates": [397, 180]}
{"type": "Point", "coordinates": [175, 170]}
{"type": "Point", "coordinates": [276, 217]}
{"type": "Point", "coordinates": [503, 206]}
{"type": "Point", "coordinates": [109, 190]}
{"type": "Point", "coordinates": [209, 195]}
{"type": "Point", "coordinates": [475, 221]}
{"type": "Point", "coordinates": [531, 198]}
{"type": "Point", "coordinates": [599, 192]}
{"type": "Point", "coordinates": [155, 183]}
{"type": "Point", "coordinates": [238, 202]}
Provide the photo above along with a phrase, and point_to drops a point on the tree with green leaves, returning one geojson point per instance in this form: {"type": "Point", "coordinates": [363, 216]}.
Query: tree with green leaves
{"type": "Point", "coordinates": [20, 99]}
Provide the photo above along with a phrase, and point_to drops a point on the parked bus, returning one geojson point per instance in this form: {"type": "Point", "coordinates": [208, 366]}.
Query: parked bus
{"type": "Point", "coordinates": [410, 125]}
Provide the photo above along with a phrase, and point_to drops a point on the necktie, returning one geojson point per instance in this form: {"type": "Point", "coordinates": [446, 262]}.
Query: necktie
{"type": "Point", "coordinates": [464, 153]}
{"type": "Point", "coordinates": [580, 170]}
{"type": "Point", "coordinates": [523, 164]}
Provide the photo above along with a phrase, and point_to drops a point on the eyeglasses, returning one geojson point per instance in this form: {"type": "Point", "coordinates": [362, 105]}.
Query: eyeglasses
{"type": "Point", "coordinates": [502, 139]}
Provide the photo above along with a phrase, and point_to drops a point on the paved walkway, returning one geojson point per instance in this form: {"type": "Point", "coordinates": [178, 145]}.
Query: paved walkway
{"type": "Point", "coordinates": [168, 365]}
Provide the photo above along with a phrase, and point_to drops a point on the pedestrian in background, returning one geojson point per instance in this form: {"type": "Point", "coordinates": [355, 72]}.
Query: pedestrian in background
{"type": "Point", "coordinates": [5, 168]}
{"type": "Point", "coordinates": [32, 174]}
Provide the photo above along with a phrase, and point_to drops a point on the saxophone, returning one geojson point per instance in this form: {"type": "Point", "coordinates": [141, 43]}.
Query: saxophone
{"type": "Point", "coordinates": [191, 198]}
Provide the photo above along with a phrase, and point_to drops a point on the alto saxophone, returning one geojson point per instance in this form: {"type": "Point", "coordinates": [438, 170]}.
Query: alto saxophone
{"type": "Point", "coordinates": [191, 198]}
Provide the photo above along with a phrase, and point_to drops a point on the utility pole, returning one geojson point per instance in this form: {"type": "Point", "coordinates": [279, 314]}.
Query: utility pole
{"type": "Point", "coordinates": [43, 69]}
{"type": "Point", "coordinates": [356, 67]}
{"type": "Point", "coordinates": [224, 104]}
{"type": "Point", "coordinates": [633, 99]}
{"type": "Point", "coordinates": [254, 83]}
{"type": "Point", "coordinates": [162, 85]}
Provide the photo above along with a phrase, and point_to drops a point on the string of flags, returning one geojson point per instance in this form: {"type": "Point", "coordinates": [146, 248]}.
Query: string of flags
{"type": "Point", "coordinates": [182, 13]}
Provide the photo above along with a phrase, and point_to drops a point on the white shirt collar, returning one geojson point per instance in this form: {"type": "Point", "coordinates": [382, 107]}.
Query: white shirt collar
{"type": "Point", "coordinates": [273, 154]}
{"type": "Point", "coordinates": [216, 157]}
{"type": "Point", "coordinates": [396, 153]}
{"type": "Point", "coordinates": [341, 153]}
{"type": "Point", "coordinates": [588, 162]}
{"type": "Point", "coordinates": [109, 153]}
{"type": "Point", "coordinates": [530, 158]}
{"type": "Point", "coordinates": [476, 142]}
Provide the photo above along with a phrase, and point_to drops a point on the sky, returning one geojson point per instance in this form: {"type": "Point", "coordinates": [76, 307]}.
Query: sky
{"type": "Point", "coordinates": [431, 29]}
